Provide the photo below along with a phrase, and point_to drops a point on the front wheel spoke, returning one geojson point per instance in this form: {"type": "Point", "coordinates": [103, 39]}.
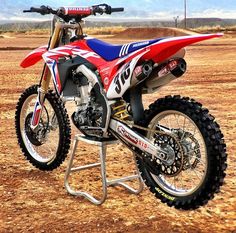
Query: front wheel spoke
{"type": "Point", "coordinates": [199, 160]}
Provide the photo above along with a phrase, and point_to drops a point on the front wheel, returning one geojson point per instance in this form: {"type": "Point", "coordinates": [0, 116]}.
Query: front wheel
{"type": "Point", "coordinates": [196, 163]}
{"type": "Point", "coordinates": [47, 146]}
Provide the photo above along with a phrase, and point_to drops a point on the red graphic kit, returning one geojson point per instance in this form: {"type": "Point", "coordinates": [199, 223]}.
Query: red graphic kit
{"type": "Point", "coordinates": [157, 52]}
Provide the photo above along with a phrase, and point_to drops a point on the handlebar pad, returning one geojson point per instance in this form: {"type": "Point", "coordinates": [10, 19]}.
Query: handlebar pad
{"type": "Point", "coordinates": [73, 11]}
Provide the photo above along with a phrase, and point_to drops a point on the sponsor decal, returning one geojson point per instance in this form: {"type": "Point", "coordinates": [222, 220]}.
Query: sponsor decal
{"type": "Point", "coordinates": [106, 81]}
{"type": "Point", "coordinates": [164, 194]}
{"type": "Point", "coordinates": [140, 44]}
{"type": "Point", "coordinates": [173, 64]}
{"type": "Point", "coordinates": [85, 54]}
{"type": "Point", "coordinates": [68, 51]}
{"type": "Point", "coordinates": [138, 71]}
{"type": "Point", "coordinates": [169, 67]}
{"type": "Point", "coordinates": [122, 77]}
{"type": "Point", "coordinates": [132, 138]}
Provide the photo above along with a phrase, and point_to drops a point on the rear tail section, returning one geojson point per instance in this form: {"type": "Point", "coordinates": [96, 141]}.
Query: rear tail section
{"type": "Point", "coordinates": [165, 48]}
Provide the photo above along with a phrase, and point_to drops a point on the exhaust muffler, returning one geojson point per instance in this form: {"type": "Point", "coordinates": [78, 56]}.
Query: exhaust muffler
{"type": "Point", "coordinates": [165, 73]}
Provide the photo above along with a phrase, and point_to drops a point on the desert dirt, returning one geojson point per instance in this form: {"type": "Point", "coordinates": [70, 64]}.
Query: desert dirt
{"type": "Point", "coordinates": [36, 201]}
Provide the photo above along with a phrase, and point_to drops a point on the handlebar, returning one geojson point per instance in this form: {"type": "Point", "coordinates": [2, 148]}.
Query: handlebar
{"type": "Point", "coordinates": [68, 13]}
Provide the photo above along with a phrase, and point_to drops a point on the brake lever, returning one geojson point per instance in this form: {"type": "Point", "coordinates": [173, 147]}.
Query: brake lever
{"type": "Point", "coordinates": [46, 10]}
{"type": "Point", "coordinates": [97, 10]}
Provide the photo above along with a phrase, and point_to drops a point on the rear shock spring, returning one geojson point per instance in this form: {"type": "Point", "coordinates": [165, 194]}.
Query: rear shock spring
{"type": "Point", "coordinates": [119, 110]}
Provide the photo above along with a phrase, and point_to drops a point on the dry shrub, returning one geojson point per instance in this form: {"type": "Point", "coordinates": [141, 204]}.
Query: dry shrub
{"type": "Point", "coordinates": [103, 30]}
{"type": "Point", "coordinates": [217, 28]}
{"type": "Point", "coordinates": [38, 32]}
{"type": "Point", "coordinates": [89, 31]}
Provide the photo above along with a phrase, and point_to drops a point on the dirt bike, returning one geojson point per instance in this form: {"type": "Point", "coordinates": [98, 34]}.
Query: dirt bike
{"type": "Point", "coordinates": [179, 147]}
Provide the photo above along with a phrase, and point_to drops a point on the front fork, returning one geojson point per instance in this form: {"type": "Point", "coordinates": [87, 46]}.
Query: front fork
{"type": "Point", "coordinates": [39, 105]}
{"type": "Point", "coordinates": [44, 87]}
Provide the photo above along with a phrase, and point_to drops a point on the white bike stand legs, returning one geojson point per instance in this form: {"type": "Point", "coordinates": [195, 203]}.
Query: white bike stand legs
{"type": "Point", "coordinates": [105, 182]}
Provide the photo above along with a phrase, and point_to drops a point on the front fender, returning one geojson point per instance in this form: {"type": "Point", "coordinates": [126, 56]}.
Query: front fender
{"type": "Point", "coordinates": [34, 57]}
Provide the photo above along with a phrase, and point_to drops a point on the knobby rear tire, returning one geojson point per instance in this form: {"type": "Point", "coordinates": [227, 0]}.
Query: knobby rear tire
{"type": "Point", "coordinates": [63, 124]}
{"type": "Point", "coordinates": [215, 146]}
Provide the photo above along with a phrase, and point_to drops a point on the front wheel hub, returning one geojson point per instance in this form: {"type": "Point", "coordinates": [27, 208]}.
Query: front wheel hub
{"type": "Point", "coordinates": [31, 135]}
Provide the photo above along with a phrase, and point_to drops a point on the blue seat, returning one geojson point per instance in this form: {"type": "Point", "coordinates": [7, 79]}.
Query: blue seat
{"type": "Point", "coordinates": [110, 52]}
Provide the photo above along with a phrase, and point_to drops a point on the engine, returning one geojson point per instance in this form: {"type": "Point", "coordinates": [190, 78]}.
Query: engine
{"type": "Point", "coordinates": [88, 115]}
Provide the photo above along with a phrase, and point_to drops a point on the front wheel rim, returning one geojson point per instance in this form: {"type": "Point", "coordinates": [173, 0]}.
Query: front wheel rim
{"type": "Point", "coordinates": [45, 153]}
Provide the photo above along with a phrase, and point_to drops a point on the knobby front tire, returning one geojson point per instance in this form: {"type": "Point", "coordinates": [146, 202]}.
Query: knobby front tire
{"type": "Point", "coordinates": [52, 152]}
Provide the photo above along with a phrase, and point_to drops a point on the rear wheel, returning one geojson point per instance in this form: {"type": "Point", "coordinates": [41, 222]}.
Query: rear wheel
{"type": "Point", "coordinates": [47, 146]}
{"type": "Point", "coordinates": [196, 153]}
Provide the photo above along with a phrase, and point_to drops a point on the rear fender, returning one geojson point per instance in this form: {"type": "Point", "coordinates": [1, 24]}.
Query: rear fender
{"type": "Point", "coordinates": [34, 57]}
{"type": "Point", "coordinates": [167, 47]}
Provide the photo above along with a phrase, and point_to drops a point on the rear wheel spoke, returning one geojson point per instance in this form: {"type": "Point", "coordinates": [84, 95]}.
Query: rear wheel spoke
{"type": "Point", "coordinates": [188, 179]}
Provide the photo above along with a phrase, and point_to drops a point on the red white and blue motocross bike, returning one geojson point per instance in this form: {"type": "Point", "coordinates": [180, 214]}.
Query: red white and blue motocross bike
{"type": "Point", "coordinates": [179, 147]}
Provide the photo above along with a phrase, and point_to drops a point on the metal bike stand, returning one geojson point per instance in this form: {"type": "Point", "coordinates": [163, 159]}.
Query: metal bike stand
{"type": "Point", "coordinates": [105, 182]}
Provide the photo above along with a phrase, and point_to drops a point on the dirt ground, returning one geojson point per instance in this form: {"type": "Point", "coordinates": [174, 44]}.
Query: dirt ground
{"type": "Point", "coordinates": [36, 201]}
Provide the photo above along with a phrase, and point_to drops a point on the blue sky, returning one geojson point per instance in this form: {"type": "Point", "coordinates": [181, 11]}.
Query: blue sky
{"type": "Point", "coordinates": [146, 9]}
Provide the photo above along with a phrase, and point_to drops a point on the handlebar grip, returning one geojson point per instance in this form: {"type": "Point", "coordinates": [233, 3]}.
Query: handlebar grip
{"type": "Point", "coordinates": [43, 10]}
{"type": "Point", "coordinates": [37, 10]}
{"type": "Point", "coordinates": [118, 9]}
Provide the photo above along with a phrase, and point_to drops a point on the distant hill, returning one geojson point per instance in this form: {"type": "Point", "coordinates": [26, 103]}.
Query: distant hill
{"type": "Point", "coordinates": [24, 26]}
{"type": "Point", "coordinates": [191, 23]}
{"type": "Point", "coordinates": [201, 22]}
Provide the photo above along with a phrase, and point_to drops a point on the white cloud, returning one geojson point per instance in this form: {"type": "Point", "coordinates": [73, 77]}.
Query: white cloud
{"type": "Point", "coordinates": [29, 19]}
{"type": "Point", "coordinates": [214, 13]}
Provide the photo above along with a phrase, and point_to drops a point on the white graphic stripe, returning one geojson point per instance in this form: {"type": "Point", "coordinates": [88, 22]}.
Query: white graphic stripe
{"type": "Point", "coordinates": [124, 51]}
{"type": "Point", "coordinates": [121, 51]}
{"type": "Point", "coordinates": [127, 49]}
